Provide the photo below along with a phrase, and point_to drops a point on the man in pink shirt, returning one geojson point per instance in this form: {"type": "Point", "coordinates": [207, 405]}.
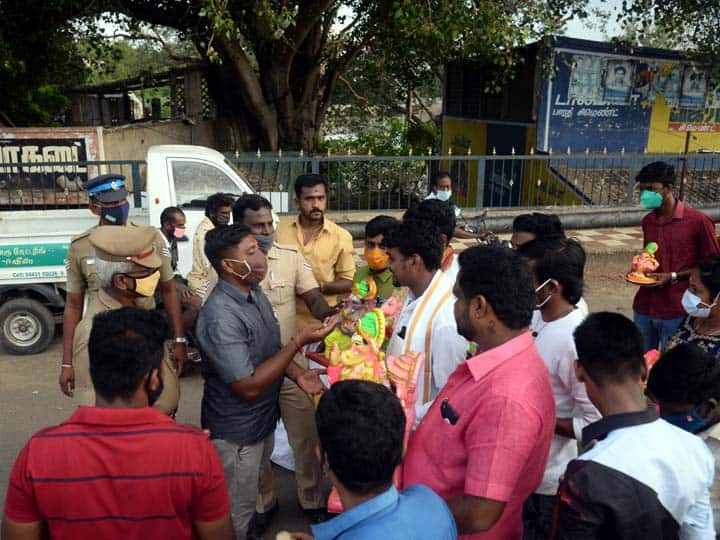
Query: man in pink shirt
{"type": "Point", "coordinates": [484, 443]}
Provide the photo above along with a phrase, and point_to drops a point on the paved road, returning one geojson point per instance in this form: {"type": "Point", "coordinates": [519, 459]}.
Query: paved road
{"type": "Point", "coordinates": [30, 398]}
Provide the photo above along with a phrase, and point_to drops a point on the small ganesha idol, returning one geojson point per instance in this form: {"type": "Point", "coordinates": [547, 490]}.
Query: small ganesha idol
{"type": "Point", "coordinates": [642, 264]}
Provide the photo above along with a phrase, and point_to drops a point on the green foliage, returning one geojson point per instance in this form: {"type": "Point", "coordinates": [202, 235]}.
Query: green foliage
{"type": "Point", "coordinates": [389, 138]}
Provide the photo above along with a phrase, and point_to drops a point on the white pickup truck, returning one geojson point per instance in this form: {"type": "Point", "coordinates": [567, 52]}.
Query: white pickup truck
{"type": "Point", "coordinates": [34, 243]}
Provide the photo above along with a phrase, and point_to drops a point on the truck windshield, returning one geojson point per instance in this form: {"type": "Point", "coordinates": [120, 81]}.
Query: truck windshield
{"type": "Point", "coordinates": [195, 180]}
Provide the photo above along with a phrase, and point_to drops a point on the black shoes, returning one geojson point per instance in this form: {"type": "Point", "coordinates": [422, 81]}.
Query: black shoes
{"type": "Point", "coordinates": [261, 520]}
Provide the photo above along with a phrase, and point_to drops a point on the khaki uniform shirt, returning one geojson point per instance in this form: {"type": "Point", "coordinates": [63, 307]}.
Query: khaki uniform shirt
{"type": "Point", "coordinates": [82, 274]}
{"type": "Point", "coordinates": [202, 277]}
{"type": "Point", "coordinates": [289, 275]}
{"type": "Point", "coordinates": [100, 303]}
{"type": "Point", "coordinates": [330, 253]}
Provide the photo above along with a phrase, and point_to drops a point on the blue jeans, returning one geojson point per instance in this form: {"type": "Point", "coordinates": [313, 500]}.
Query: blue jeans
{"type": "Point", "coordinates": [656, 331]}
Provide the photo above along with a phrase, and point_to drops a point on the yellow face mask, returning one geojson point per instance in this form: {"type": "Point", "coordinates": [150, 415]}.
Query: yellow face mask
{"type": "Point", "coordinates": [377, 259]}
{"type": "Point", "coordinates": [146, 286]}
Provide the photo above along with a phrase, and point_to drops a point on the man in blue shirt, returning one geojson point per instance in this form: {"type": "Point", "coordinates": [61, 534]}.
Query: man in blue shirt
{"type": "Point", "coordinates": [361, 426]}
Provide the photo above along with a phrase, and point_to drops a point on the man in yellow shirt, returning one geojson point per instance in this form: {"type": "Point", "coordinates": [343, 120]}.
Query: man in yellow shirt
{"type": "Point", "coordinates": [326, 246]}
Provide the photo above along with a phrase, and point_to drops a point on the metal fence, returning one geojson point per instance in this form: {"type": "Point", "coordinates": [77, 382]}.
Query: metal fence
{"type": "Point", "coordinates": [380, 183]}
{"type": "Point", "coordinates": [384, 183]}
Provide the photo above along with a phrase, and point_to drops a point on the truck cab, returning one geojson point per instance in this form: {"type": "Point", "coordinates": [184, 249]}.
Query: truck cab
{"type": "Point", "coordinates": [34, 242]}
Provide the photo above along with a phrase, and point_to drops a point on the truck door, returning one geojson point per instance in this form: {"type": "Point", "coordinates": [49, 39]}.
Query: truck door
{"type": "Point", "coordinates": [192, 180]}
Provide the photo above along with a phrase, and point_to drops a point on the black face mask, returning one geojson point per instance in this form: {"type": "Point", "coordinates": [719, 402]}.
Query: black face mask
{"type": "Point", "coordinates": [153, 395]}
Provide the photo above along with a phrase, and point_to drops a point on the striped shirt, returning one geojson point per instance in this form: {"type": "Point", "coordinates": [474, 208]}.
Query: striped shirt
{"type": "Point", "coordinates": [118, 473]}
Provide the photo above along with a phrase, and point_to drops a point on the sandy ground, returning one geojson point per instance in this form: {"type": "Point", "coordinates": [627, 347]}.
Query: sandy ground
{"type": "Point", "coordinates": [30, 398]}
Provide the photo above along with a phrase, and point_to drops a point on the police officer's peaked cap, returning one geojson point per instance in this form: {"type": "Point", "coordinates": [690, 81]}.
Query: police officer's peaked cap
{"type": "Point", "coordinates": [120, 243]}
{"type": "Point", "coordinates": [107, 188]}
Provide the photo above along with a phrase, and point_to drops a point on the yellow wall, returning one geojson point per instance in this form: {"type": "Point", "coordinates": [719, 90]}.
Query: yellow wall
{"type": "Point", "coordinates": [662, 141]}
{"type": "Point", "coordinates": [459, 135]}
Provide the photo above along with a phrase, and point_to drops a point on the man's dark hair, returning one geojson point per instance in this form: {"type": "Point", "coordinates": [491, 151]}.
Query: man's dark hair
{"type": "Point", "coordinates": [503, 277]}
{"type": "Point", "coordinates": [435, 178]}
{"type": "Point", "coordinates": [167, 215]}
{"type": "Point", "coordinates": [361, 427]}
{"type": "Point", "coordinates": [378, 225]}
{"type": "Point", "coordinates": [541, 225]}
{"type": "Point", "coordinates": [216, 201]}
{"type": "Point", "coordinates": [308, 181]}
{"type": "Point", "coordinates": [657, 171]}
{"type": "Point", "coordinates": [610, 348]}
{"type": "Point", "coordinates": [620, 68]}
{"type": "Point", "coordinates": [710, 275]}
{"type": "Point", "coordinates": [248, 201]}
{"type": "Point", "coordinates": [684, 374]}
{"type": "Point", "coordinates": [562, 260]}
{"type": "Point", "coordinates": [416, 237]}
{"type": "Point", "coordinates": [436, 211]}
{"type": "Point", "coordinates": [220, 239]}
{"type": "Point", "coordinates": [125, 344]}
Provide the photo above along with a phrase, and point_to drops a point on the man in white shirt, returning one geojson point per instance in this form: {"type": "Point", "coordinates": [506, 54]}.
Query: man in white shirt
{"type": "Point", "coordinates": [441, 215]}
{"type": "Point", "coordinates": [427, 321]}
{"type": "Point", "coordinates": [543, 227]}
{"type": "Point", "coordinates": [558, 267]}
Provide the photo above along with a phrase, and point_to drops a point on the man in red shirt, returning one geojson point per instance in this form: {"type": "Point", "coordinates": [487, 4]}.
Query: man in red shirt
{"type": "Point", "coordinates": [121, 469]}
{"type": "Point", "coordinates": [684, 237]}
{"type": "Point", "coordinates": [484, 443]}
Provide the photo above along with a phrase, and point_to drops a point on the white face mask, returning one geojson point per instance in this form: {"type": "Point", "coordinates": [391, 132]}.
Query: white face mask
{"type": "Point", "coordinates": [541, 304]}
{"type": "Point", "coordinates": [443, 195]}
{"type": "Point", "coordinates": [691, 303]}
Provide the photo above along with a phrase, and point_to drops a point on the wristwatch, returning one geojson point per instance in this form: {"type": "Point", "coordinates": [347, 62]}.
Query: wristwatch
{"type": "Point", "coordinates": [182, 339]}
{"type": "Point", "coordinates": [673, 277]}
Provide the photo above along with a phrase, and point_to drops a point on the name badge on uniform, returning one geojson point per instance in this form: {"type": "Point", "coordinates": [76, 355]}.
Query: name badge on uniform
{"type": "Point", "coordinates": [90, 260]}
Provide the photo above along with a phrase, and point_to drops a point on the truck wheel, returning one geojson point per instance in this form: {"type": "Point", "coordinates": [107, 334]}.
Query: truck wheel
{"type": "Point", "coordinates": [27, 326]}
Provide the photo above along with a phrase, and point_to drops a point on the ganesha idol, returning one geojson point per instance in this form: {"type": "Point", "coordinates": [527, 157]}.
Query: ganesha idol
{"type": "Point", "coordinates": [642, 264]}
{"type": "Point", "coordinates": [354, 350]}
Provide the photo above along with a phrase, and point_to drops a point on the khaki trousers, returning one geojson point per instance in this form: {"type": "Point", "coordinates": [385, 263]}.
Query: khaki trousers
{"type": "Point", "coordinates": [243, 471]}
{"type": "Point", "coordinates": [298, 415]}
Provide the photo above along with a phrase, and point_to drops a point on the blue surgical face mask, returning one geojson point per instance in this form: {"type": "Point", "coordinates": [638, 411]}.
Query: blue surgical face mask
{"type": "Point", "coordinates": [690, 421]}
{"type": "Point", "coordinates": [115, 215]}
{"type": "Point", "coordinates": [691, 304]}
{"type": "Point", "coordinates": [650, 200]}
{"type": "Point", "coordinates": [443, 195]}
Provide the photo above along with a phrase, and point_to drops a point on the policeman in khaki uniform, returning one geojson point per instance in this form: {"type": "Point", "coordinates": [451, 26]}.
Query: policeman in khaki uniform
{"type": "Point", "coordinates": [128, 269]}
{"type": "Point", "coordinates": [289, 276]}
{"type": "Point", "coordinates": [109, 201]}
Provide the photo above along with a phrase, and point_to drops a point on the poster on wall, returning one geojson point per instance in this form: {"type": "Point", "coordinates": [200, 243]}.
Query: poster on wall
{"type": "Point", "coordinates": [51, 159]}
{"type": "Point", "coordinates": [618, 81]}
{"type": "Point", "coordinates": [667, 82]}
{"type": "Point", "coordinates": [643, 83]}
{"type": "Point", "coordinates": [586, 77]}
{"type": "Point", "coordinates": [693, 89]}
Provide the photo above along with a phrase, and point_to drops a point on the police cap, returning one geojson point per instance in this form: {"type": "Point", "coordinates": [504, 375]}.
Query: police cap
{"type": "Point", "coordinates": [119, 243]}
{"type": "Point", "coordinates": [107, 188]}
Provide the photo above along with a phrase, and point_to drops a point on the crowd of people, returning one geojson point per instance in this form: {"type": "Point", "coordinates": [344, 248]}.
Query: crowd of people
{"type": "Point", "coordinates": [534, 418]}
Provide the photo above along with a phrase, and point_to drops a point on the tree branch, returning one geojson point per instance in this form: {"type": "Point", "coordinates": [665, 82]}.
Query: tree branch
{"type": "Point", "coordinates": [423, 106]}
{"type": "Point", "coordinates": [305, 21]}
{"type": "Point", "coordinates": [352, 90]}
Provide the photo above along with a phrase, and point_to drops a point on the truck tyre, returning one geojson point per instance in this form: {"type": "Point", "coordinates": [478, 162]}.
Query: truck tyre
{"type": "Point", "coordinates": [26, 326]}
